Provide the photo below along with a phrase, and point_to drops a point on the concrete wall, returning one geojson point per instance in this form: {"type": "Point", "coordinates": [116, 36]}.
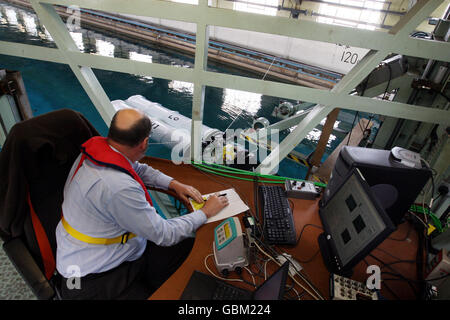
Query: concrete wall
{"type": "Point", "coordinates": [333, 57]}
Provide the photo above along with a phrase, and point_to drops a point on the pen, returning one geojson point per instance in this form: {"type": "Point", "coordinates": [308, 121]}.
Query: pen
{"type": "Point", "coordinates": [220, 195]}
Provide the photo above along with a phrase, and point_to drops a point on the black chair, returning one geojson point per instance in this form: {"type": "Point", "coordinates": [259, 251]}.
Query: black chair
{"type": "Point", "coordinates": [34, 164]}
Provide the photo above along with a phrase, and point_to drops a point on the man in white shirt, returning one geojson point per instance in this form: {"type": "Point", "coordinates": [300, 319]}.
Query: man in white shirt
{"type": "Point", "coordinates": [111, 236]}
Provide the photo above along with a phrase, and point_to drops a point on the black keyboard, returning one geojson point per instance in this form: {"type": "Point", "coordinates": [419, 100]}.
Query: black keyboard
{"type": "Point", "coordinates": [278, 221]}
{"type": "Point", "coordinates": [224, 292]}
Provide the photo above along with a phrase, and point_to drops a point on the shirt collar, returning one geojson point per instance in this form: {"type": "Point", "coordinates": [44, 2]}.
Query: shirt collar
{"type": "Point", "coordinates": [131, 163]}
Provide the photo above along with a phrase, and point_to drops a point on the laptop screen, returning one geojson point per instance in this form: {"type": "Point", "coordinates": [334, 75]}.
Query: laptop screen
{"type": "Point", "coordinates": [273, 288]}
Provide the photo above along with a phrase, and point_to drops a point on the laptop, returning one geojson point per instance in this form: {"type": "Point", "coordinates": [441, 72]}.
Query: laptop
{"type": "Point", "coordinates": [202, 286]}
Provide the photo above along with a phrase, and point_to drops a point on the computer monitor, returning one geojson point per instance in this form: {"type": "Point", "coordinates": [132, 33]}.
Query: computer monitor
{"type": "Point", "coordinates": [354, 224]}
{"type": "Point", "coordinates": [395, 183]}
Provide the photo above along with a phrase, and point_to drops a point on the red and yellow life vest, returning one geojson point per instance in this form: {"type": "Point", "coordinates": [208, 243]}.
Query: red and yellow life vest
{"type": "Point", "coordinates": [98, 151]}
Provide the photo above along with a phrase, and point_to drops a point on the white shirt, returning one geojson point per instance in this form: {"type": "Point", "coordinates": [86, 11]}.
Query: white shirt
{"type": "Point", "coordinates": [103, 202]}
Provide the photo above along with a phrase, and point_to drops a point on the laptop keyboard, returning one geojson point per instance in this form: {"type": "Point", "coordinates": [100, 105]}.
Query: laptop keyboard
{"type": "Point", "coordinates": [224, 292]}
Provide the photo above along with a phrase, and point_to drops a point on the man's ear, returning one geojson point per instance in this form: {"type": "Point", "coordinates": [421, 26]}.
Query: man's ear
{"type": "Point", "coordinates": [144, 143]}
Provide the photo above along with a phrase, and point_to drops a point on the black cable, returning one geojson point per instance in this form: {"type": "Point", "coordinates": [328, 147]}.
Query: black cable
{"type": "Point", "coordinates": [245, 281]}
{"type": "Point", "coordinates": [256, 203]}
{"type": "Point", "coordinates": [389, 254]}
{"type": "Point", "coordinates": [389, 81]}
{"type": "Point", "coordinates": [303, 229]}
{"type": "Point", "coordinates": [444, 95]}
{"type": "Point", "coordinates": [351, 129]}
{"type": "Point", "coordinates": [397, 273]}
{"type": "Point", "coordinates": [432, 179]}
{"type": "Point", "coordinates": [310, 259]}
{"type": "Point", "coordinates": [384, 96]}
{"type": "Point", "coordinates": [361, 95]}
{"type": "Point", "coordinates": [400, 261]}
{"type": "Point", "coordinates": [368, 122]}
{"type": "Point", "coordinates": [275, 254]}
{"type": "Point", "coordinates": [390, 290]}
{"type": "Point", "coordinates": [261, 242]}
{"type": "Point", "coordinates": [437, 197]}
{"type": "Point", "coordinates": [416, 281]}
{"type": "Point", "coordinates": [359, 124]}
{"type": "Point", "coordinates": [439, 278]}
{"type": "Point", "coordinates": [255, 197]}
{"type": "Point", "coordinates": [404, 239]}
{"type": "Point", "coordinates": [421, 247]}
{"type": "Point", "coordinates": [300, 236]}
{"type": "Point", "coordinates": [385, 285]}
{"type": "Point", "coordinates": [292, 204]}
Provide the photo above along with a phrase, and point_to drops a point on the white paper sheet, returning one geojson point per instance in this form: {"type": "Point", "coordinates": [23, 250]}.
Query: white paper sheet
{"type": "Point", "coordinates": [235, 205]}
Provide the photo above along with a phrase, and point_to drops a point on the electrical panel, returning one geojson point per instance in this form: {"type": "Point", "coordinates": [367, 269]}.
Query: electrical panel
{"type": "Point", "coordinates": [342, 288]}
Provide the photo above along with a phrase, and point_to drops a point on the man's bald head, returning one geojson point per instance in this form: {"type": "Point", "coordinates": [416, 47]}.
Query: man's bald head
{"type": "Point", "coordinates": [129, 127]}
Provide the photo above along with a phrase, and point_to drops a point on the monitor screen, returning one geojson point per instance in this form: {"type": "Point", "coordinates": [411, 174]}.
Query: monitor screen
{"type": "Point", "coordinates": [395, 184]}
{"type": "Point", "coordinates": [273, 288]}
{"type": "Point", "coordinates": [354, 220]}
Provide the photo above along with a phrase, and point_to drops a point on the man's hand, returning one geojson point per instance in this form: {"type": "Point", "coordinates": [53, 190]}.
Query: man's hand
{"type": "Point", "coordinates": [184, 191]}
{"type": "Point", "coordinates": [214, 204]}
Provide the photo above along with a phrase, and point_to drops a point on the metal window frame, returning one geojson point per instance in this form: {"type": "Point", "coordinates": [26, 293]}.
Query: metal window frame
{"type": "Point", "coordinates": [380, 43]}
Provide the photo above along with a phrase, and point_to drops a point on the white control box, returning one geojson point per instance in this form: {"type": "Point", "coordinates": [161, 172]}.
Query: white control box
{"type": "Point", "coordinates": [229, 247]}
{"type": "Point", "coordinates": [301, 190]}
{"type": "Point", "coordinates": [342, 288]}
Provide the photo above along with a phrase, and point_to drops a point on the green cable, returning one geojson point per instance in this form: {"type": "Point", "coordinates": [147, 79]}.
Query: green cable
{"type": "Point", "coordinates": [231, 170]}
{"type": "Point", "coordinates": [234, 177]}
{"type": "Point", "coordinates": [241, 172]}
{"type": "Point", "coordinates": [280, 180]}
{"type": "Point", "coordinates": [420, 209]}
{"type": "Point", "coordinates": [216, 171]}
{"type": "Point", "coordinates": [262, 175]}
{"type": "Point", "coordinates": [222, 168]}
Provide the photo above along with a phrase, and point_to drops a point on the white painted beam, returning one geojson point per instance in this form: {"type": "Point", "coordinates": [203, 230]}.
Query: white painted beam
{"type": "Point", "coordinates": [31, 52]}
{"type": "Point", "coordinates": [397, 41]}
{"type": "Point", "coordinates": [348, 83]}
{"type": "Point", "coordinates": [302, 29]}
{"type": "Point", "coordinates": [320, 111]}
{"type": "Point", "coordinates": [270, 88]}
{"type": "Point", "coordinates": [57, 29]}
{"type": "Point", "coordinates": [415, 16]}
{"type": "Point", "coordinates": [198, 102]}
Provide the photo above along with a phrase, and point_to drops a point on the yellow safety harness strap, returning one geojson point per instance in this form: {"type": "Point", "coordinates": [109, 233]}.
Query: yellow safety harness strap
{"type": "Point", "coordinates": [91, 240]}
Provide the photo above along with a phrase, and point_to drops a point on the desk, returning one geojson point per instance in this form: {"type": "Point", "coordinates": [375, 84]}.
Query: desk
{"type": "Point", "coordinates": [401, 245]}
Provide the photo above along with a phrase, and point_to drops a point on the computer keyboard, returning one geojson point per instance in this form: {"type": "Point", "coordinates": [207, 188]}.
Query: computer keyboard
{"type": "Point", "coordinates": [278, 222]}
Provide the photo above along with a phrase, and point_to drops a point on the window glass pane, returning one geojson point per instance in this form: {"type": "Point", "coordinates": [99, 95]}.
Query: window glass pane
{"type": "Point", "coordinates": [351, 16]}
{"type": "Point", "coordinates": [267, 7]}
